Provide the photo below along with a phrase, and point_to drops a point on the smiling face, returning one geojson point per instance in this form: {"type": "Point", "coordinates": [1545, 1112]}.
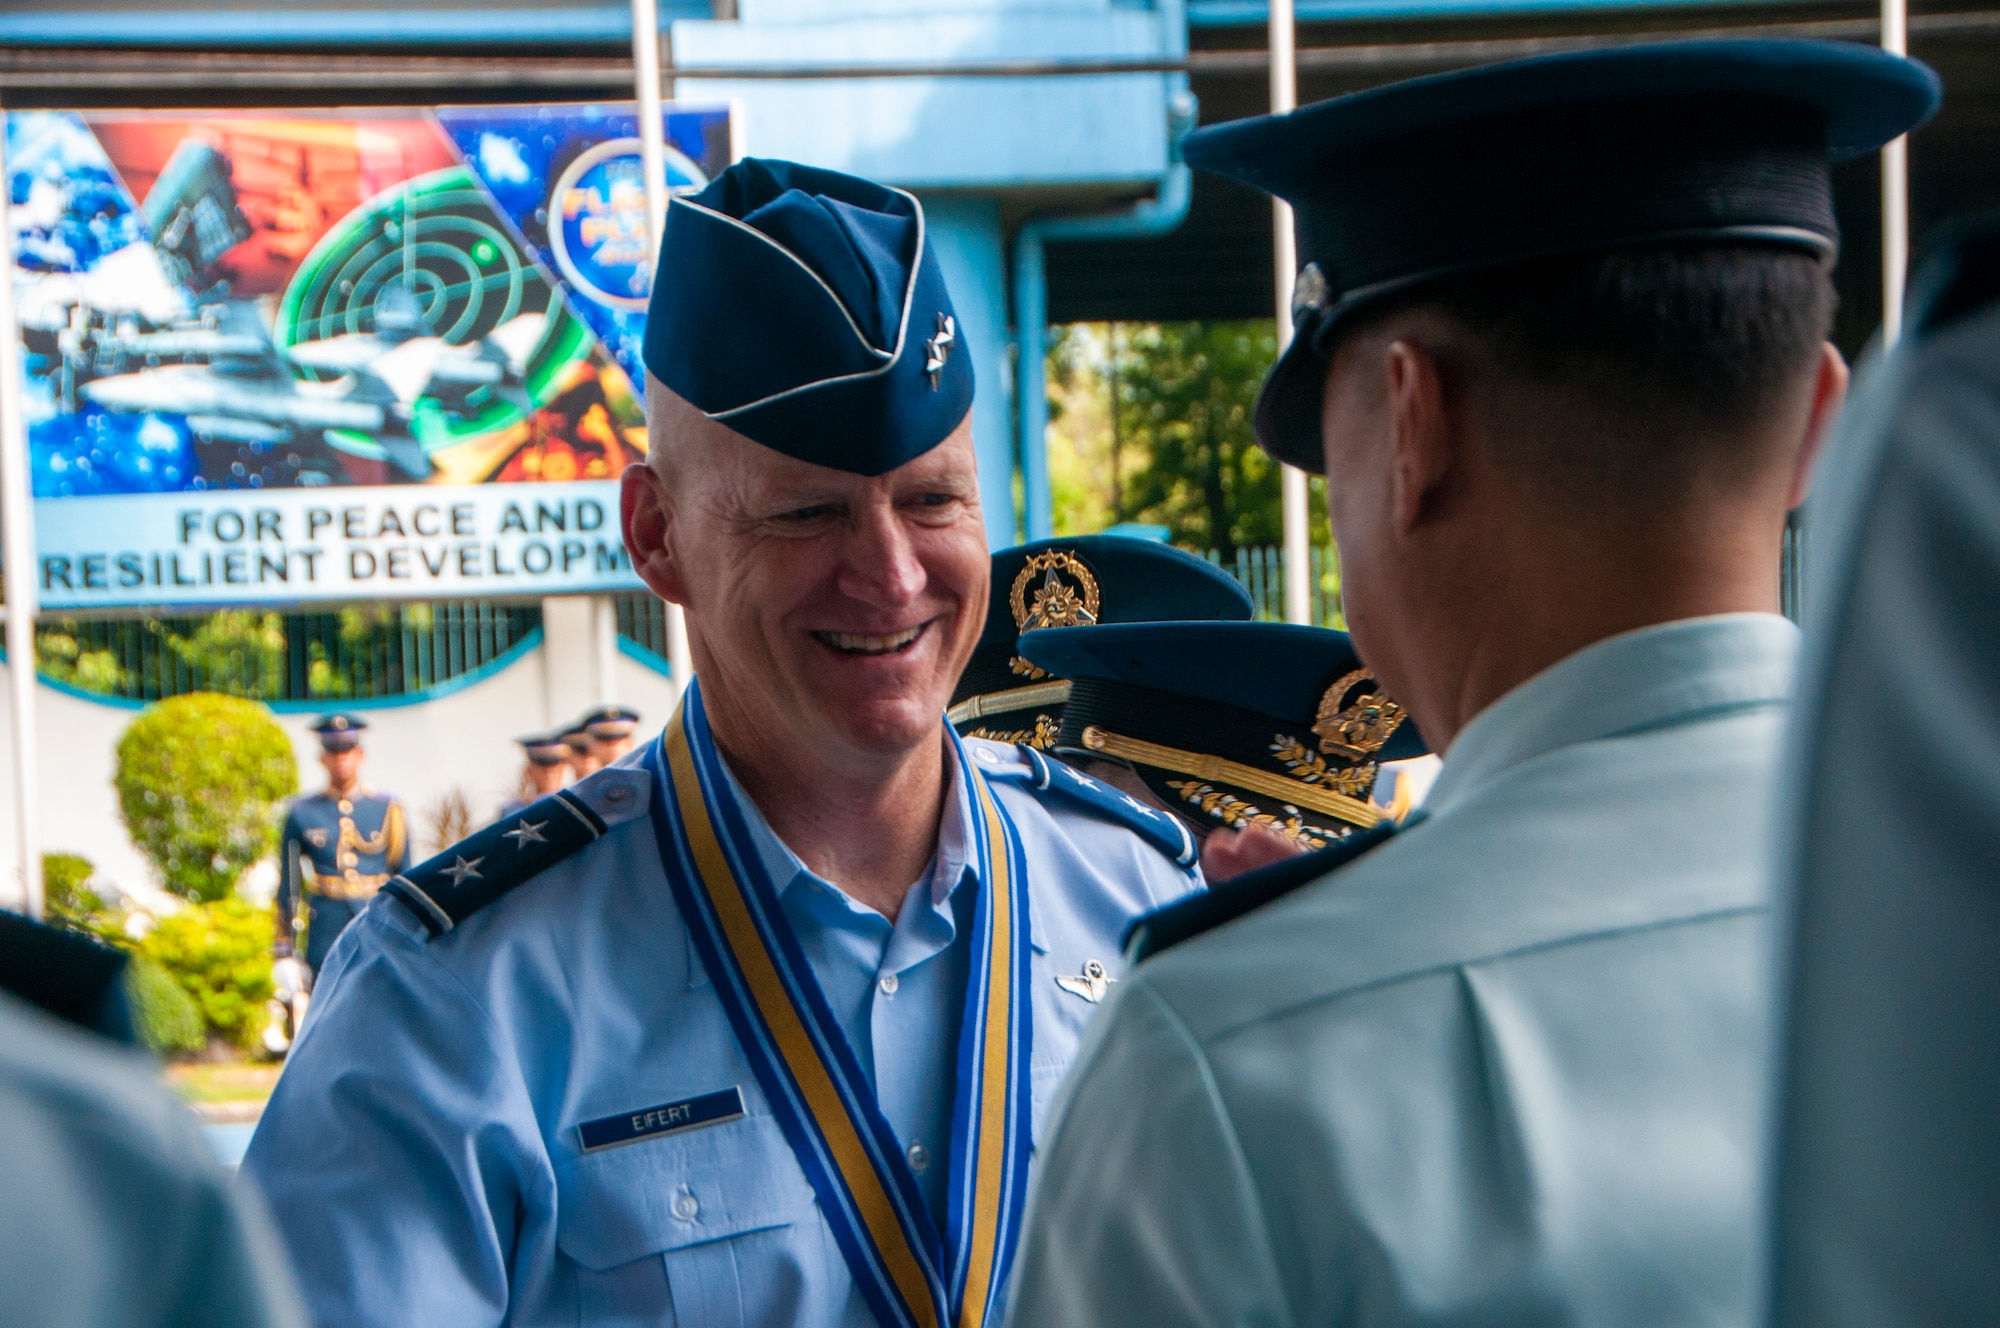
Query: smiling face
{"type": "Point", "coordinates": [829, 611]}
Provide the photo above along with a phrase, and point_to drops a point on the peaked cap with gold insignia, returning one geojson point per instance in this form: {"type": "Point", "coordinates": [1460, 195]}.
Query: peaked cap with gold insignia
{"type": "Point", "coordinates": [1233, 724]}
{"type": "Point", "coordinates": [1081, 581]}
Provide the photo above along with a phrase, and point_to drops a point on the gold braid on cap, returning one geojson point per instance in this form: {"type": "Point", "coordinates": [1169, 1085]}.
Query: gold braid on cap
{"type": "Point", "coordinates": [1201, 765]}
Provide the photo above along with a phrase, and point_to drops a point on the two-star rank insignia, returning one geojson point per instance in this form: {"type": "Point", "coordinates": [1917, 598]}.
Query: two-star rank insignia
{"type": "Point", "coordinates": [937, 349]}
{"type": "Point", "coordinates": [466, 877]}
{"type": "Point", "coordinates": [1091, 984]}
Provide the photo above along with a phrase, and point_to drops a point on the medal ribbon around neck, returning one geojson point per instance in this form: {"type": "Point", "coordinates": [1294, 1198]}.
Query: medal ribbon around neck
{"type": "Point", "coordinates": [818, 1093]}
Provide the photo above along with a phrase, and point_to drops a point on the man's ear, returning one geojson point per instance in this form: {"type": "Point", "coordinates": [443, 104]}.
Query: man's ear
{"type": "Point", "coordinates": [1828, 392]}
{"type": "Point", "coordinates": [1425, 447]}
{"type": "Point", "coordinates": [646, 518]}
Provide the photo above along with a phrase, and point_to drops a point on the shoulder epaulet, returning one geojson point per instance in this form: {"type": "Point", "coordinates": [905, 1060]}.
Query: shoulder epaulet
{"type": "Point", "coordinates": [451, 887]}
{"type": "Point", "coordinates": [1160, 829]}
{"type": "Point", "coordinates": [1226, 900]}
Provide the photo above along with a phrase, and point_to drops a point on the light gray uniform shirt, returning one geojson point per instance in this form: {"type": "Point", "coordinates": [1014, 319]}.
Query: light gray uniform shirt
{"type": "Point", "coordinates": [113, 1212]}
{"type": "Point", "coordinates": [1509, 1068]}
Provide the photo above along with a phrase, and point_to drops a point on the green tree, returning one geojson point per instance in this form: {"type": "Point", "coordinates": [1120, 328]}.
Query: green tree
{"type": "Point", "coordinates": [199, 780]}
{"type": "Point", "coordinates": [234, 649]}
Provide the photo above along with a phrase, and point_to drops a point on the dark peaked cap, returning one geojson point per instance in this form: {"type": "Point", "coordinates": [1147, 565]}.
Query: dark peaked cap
{"type": "Point", "coordinates": [1674, 142]}
{"type": "Point", "coordinates": [806, 310]}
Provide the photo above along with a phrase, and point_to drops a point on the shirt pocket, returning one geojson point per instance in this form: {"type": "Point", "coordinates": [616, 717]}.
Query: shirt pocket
{"type": "Point", "coordinates": [696, 1228]}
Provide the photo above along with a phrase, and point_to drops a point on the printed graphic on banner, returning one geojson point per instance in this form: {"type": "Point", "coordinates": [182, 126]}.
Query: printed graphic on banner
{"type": "Point", "coordinates": [573, 189]}
{"type": "Point", "coordinates": [307, 301]}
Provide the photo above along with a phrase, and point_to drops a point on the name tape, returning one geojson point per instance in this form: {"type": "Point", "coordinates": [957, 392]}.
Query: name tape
{"type": "Point", "coordinates": [629, 1127]}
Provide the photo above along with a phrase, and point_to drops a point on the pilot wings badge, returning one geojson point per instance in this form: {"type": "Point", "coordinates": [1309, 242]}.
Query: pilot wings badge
{"type": "Point", "coordinates": [1091, 984]}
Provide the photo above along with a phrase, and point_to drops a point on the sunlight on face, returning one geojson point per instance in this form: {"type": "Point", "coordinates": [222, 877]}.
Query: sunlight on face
{"type": "Point", "coordinates": [835, 608]}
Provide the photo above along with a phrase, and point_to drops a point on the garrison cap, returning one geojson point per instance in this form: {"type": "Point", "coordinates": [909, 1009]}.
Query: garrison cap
{"type": "Point", "coordinates": [610, 722]}
{"type": "Point", "coordinates": [339, 733]}
{"type": "Point", "coordinates": [1233, 723]}
{"type": "Point", "coordinates": [1691, 142]}
{"type": "Point", "coordinates": [805, 309]}
{"type": "Point", "coordinates": [1081, 581]}
{"type": "Point", "coordinates": [544, 748]}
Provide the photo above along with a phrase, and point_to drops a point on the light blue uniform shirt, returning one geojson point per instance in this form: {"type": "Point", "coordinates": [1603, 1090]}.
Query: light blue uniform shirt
{"type": "Point", "coordinates": [1509, 1068]}
{"type": "Point", "coordinates": [421, 1153]}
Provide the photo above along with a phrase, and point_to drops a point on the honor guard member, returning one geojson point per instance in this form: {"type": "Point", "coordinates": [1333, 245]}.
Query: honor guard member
{"type": "Point", "coordinates": [1083, 581]}
{"type": "Point", "coordinates": [1230, 724]}
{"type": "Point", "coordinates": [610, 729]}
{"type": "Point", "coordinates": [582, 760]}
{"type": "Point", "coordinates": [1560, 352]}
{"type": "Point", "coordinates": [757, 1027]}
{"type": "Point", "coordinates": [546, 769]}
{"type": "Point", "coordinates": [339, 846]}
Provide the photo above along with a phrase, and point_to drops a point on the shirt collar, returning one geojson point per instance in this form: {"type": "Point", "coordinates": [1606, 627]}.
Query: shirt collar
{"type": "Point", "coordinates": [1653, 676]}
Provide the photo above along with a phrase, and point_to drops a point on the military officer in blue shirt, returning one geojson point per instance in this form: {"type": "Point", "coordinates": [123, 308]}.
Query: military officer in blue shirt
{"type": "Point", "coordinates": [1561, 353]}
{"type": "Point", "coordinates": [759, 1024]}
{"type": "Point", "coordinates": [339, 845]}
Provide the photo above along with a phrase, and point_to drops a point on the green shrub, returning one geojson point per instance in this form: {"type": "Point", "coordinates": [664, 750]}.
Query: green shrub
{"type": "Point", "coordinates": [67, 899]}
{"type": "Point", "coordinates": [199, 781]}
{"type": "Point", "coordinates": [220, 954]}
{"type": "Point", "coordinates": [163, 1014]}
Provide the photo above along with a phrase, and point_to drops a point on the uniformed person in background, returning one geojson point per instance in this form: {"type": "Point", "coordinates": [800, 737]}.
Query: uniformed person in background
{"type": "Point", "coordinates": [1229, 725]}
{"type": "Point", "coordinates": [1560, 352]}
{"type": "Point", "coordinates": [545, 769]}
{"type": "Point", "coordinates": [852, 948]}
{"type": "Point", "coordinates": [610, 730]}
{"type": "Point", "coordinates": [339, 845]}
{"type": "Point", "coordinates": [582, 760]}
{"type": "Point", "coordinates": [1077, 581]}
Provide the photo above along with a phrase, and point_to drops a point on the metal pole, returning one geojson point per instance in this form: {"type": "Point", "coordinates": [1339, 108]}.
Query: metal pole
{"type": "Point", "coordinates": [17, 530]}
{"type": "Point", "coordinates": [1895, 188]}
{"type": "Point", "coordinates": [653, 160]}
{"type": "Point", "coordinates": [1284, 270]}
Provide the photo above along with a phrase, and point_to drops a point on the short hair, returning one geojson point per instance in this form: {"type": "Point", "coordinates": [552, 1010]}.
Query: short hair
{"type": "Point", "coordinates": [1645, 371]}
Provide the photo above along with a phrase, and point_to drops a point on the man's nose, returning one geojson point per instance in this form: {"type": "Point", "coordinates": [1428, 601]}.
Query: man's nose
{"type": "Point", "coordinates": [880, 562]}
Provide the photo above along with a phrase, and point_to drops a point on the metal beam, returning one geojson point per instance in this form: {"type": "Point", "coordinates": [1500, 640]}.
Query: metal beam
{"type": "Point", "coordinates": [17, 530]}
{"type": "Point", "coordinates": [98, 72]}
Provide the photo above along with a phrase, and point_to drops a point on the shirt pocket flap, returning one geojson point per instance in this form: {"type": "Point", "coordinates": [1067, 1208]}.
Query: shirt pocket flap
{"type": "Point", "coordinates": [661, 1194]}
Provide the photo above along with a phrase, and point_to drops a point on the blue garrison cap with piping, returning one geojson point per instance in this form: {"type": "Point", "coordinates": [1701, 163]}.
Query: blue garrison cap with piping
{"type": "Point", "coordinates": [1690, 142]}
{"type": "Point", "coordinates": [1231, 723]}
{"type": "Point", "coordinates": [805, 309]}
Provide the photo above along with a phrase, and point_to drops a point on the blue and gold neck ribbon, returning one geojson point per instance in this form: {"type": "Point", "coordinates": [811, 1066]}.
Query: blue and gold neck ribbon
{"type": "Point", "coordinates": [822, 1100]}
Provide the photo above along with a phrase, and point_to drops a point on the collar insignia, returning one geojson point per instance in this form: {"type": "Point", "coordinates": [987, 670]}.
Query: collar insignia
{"type": "Point", "coordinates": [1091, 984]}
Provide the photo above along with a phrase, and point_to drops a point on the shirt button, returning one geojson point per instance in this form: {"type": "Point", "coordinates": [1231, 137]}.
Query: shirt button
{"type": "Point", "coordinates": [617, 793]}
{"type": "Point", "coordinates": [686, 1206]}
{"type": "Point", "coordinates": [981, 754]}
{"type": "Point", "coordinates": [889, 984]}
{"type": "Point", "coordinates": [920, 1157]}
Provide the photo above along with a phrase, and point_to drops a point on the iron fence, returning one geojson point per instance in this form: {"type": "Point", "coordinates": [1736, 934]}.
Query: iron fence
{"type": "Point", "coordinates": [1261, 569]}
{"type": "Point", "coordinates": [352, 654]}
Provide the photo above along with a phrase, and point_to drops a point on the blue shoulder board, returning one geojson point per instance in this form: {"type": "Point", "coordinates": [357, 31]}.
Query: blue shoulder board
{"type": "Point", "coordinates": [474, 872]}
{"type": "Point", "coordinates": [1225, 900]}
{"type": "Point", "coordinates": [1160, 829]}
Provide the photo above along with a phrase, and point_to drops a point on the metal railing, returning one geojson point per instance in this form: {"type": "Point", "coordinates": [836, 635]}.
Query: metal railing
{"type": "Point", "coordinates": [1261, 569]}
{"type": "Point", "coordinates": [359, 653]}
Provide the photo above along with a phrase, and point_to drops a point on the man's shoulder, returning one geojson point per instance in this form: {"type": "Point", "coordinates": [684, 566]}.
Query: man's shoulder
{"type": "Point", "coordinates": [1028, 778]}
{"type": "Point", "coordinates": [477, 872]}
{"type": "Point", "coordinates": [1565, 852]}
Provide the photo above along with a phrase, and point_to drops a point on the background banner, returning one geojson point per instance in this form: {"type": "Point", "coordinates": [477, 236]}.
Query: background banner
{"type": "Point", "coordinates": [295, 355]}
